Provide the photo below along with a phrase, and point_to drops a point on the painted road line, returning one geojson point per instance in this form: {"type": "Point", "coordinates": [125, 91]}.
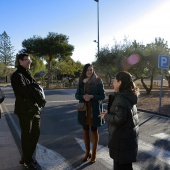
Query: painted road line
{"type": "Point", "coordinates": [55, 101]}
{"type": "Point", "coordinates": [47, 162]}
{"type": "Point", "coordinates": [62, 101]}
{"type": "Point", "coordinates": [9, 104]}
{"type": "Point", "coordinates": [12, 120]}
{"type": "Point", "coordinates": [46, 158]}
{"type": "Point", "coordinates": [155, 151]}
{"type": "Point", "coordinates": [50, 160]}
{"type": "Point", "coordinates": [163, 136]}
{"type": "Point", "coordinates": [103, 155]}
{"type": "Point", "coordinates": [1, 111]}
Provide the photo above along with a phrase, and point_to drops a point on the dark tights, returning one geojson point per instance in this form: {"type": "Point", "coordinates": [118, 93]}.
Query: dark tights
{"type": "Point", "coordinates": [87, 128]}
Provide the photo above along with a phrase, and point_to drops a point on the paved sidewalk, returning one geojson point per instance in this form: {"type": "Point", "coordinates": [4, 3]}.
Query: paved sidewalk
{"type": "Point", "coordinates": [9, 153]}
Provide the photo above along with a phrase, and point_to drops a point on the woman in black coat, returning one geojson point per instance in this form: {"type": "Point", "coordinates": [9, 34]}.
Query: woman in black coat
{"type": "Point", "coordinates": [90, 91]}
{"type": "Point", "coordinates": [123, 122]}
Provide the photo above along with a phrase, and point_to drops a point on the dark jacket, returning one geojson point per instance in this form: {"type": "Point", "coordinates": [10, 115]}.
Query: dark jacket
{"type": "Point", "coordinates": [2, 96]}
{"type": "Point", "coordinates": [24, 103]}
{"type": "Point", "coordinates": [97, 90]}
{"type": "Point", "coordinates": [123, 127]}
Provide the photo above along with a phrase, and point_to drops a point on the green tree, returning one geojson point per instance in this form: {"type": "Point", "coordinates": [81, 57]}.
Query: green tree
{"type": "Point", "coordinates": [6, 50]}
{"type": "Point", "coordinates": [147, 68]}
{"type": "Point", "coordinates": [109, 61]}
{"type": "Point", "coordinates": [104, 65]}
{"type": "Point", "coordinates": [54, 46]}
{"type": "Point", "coordinates": [3, 70]}
{"type": "Point", "coordinates": [37, 65]}
{"type": "Point", "coordinates": [118, 58]}
{"type": "Point", "coordinates": [66, 68]}
{"type": "Point", "coordinates": [167, 76]}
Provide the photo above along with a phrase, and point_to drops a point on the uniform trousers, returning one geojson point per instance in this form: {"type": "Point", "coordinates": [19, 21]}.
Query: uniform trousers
{"type": "Point", "coordinates": [30, 132]}
{"type": "Point", "coordinates": [118, 166]}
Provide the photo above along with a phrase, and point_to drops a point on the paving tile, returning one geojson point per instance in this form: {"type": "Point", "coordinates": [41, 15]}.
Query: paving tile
{"type": "Point", "coordinates": [2, 141]}
{"type": "Point", "coordinates": [1, 164]}
{"type": "Point", "coordinates": [7, 163]}
{"type": "Point", "coordinates": [9, 153]}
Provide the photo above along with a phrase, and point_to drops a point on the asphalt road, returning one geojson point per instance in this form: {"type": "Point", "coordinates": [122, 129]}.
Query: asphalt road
{"type": "Point", "coordinates": [61, 146]}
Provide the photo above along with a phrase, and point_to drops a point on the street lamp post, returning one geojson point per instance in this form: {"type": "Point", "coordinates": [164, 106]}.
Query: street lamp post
{"type": "Point", "coordinates": [97, 27]}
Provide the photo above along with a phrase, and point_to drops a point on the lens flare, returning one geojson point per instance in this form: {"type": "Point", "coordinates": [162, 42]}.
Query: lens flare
{"type": "Point", "coordinates": [133, 59]}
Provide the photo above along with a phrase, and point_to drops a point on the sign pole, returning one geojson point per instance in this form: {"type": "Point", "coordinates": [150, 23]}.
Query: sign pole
{"type": "Point", "coordinates": [163, 63]}
{"type": "Point", "coordinates": [160, 98]}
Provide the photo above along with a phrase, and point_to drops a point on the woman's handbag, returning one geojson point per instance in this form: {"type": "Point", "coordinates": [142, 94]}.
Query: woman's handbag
{"type": "Point", "coordinates": [2, 96]}
{"type": "Point", "coordinates": [81, 106]}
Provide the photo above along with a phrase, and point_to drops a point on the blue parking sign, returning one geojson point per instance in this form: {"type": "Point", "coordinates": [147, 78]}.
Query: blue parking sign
{"type": "Point", "coordinates": [163, 62]}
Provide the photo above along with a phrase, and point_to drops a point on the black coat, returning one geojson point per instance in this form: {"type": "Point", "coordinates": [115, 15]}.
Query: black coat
{"type": "Point", "coordinates": [24, 102]}
{"type": "Point", "coordinates": [123, 127]}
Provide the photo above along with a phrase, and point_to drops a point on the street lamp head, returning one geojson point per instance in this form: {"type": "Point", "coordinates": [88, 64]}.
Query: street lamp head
{"type": "Point", "coordinates": [96, 0]}
{"type": "Point", "coordinates": [95, 41]}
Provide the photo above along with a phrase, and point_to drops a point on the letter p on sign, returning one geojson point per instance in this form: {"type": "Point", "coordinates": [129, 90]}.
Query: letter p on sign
{"type": "Point", "coordinates": [163, 62]}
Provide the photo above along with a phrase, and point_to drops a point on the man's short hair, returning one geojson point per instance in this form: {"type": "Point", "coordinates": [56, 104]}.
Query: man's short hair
{"type": "Point", "coordinates": [21, 57]}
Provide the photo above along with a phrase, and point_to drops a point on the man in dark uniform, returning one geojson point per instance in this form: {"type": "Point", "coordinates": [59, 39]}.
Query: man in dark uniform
{"type": "Point", "coordinates": [26, 109]}
{"type": "Point", "coordinates": [2, 97]}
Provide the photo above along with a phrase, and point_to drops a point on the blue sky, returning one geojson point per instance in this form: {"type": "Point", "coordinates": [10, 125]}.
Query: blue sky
{"type": "Point", "coordinates": [141, 20]}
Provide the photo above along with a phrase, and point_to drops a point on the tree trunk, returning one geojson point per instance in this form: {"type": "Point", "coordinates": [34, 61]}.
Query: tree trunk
{"type": "Point", "coordinates": [168, 79]}
{"type": "Point", "coordinates": [145, 87]}
{"type": "Point", "coordinates": [110, 80]}
{"type": "Point", "coordinates": [49, 72]}
{"type": "Point", "coordinates": [148, 90]}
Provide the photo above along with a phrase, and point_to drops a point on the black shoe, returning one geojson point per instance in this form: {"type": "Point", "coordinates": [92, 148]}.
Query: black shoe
{"type": "Point", "coordinates": [29, 166]}
{"type": "Point", "coordinates": [21, 161]}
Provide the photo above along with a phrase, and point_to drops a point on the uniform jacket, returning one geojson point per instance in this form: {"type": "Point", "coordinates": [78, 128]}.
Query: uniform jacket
{"type": "Point", "coordinates": [96, 89]}
{"type": "Point", "coordinates": [123, 127]}
{"type": "Point", "coordinates": [24, 102]}
{"type": "Point", "coordinates": [2, 96]}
